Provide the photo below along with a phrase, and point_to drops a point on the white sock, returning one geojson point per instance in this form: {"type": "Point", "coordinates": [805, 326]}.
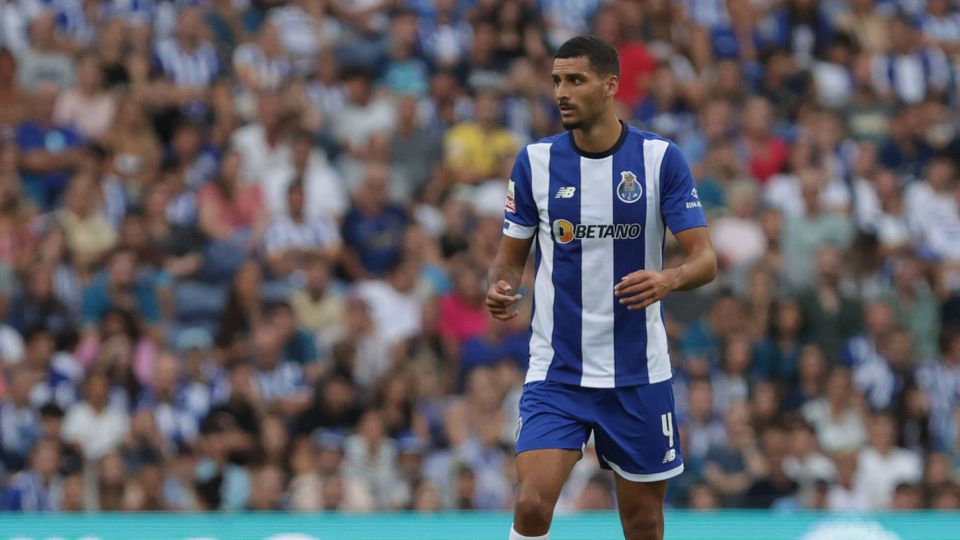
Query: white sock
{"type": "Point", "coordinates": [514, 535]}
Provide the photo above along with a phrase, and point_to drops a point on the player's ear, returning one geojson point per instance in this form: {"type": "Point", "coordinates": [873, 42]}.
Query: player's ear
{"type": "Point", "coordinates": [612, 85]}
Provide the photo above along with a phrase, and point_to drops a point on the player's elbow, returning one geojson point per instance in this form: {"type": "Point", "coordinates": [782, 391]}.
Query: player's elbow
{"type": "Point", "coordinates": [712, 266]}
{"type": "Point", "coordinates": [709, 266]}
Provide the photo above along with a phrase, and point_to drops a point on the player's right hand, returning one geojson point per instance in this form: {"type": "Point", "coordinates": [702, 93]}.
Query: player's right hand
{"type": "Point", "coordinates": [500, 302]}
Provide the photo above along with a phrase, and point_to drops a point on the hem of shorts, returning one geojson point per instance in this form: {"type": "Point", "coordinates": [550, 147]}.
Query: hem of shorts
{"type": "Point", "coordinates": [548, 445]}
{"type": "Point", "coordinates": [652, 477]}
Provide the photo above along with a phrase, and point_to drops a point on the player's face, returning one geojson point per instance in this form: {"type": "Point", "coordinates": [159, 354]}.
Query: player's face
{"type": "Point", "coordinates": [581, 93]}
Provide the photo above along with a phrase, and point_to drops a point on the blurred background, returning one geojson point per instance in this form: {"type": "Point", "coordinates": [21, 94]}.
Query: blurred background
{"type": "Point", "coordinates": [243, 247]}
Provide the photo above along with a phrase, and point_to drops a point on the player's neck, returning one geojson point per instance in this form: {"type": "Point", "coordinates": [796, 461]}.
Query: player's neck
{"type": "Point", "coordinates": [599, 137]}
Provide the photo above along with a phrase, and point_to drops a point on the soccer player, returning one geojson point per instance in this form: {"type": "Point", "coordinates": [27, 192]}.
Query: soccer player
{"type": "Point", "coordinates": [597, 198]}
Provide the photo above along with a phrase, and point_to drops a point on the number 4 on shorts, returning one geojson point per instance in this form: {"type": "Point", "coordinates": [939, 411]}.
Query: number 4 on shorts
{"type": "Point", "coordinates": [666, 421]}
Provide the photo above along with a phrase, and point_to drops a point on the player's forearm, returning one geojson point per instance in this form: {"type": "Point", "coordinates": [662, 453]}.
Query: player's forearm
{"type": "Point", "coordinates": [509, 272]}
{"type": "Point", "coordinates": [697, 269]}
{"type": "Point", "coordinates": [510, 260]}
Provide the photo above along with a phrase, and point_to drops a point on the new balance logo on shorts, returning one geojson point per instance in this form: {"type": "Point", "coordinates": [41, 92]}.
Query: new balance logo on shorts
{"type": "Point", "coordinates": [670, 455]}
{"type": "Point", "coordinates": [566, 192]}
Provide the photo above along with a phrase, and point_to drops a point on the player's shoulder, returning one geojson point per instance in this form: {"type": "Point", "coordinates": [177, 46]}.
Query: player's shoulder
{"type": "Point", "coordinates": [550, 139]}
{"type": "Point", "coordinates": [668, 149]}
{"type": "Point", "coordinates": [640, 136]}
{"type": "Point", "coordinates": [524, 153]}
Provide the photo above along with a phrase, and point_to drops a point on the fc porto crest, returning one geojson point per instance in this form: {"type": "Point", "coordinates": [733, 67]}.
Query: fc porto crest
{"type": "Point", "coordinates": [629, 190]}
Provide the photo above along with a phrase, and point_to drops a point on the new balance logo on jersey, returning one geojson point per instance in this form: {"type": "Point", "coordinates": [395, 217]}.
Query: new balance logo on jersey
{"type": "Point", "coordinates": [565, 232]}
{"type": "Point", "coordinates": [566, 192]}
{"type": "Point", "coordinates": [670, 455]}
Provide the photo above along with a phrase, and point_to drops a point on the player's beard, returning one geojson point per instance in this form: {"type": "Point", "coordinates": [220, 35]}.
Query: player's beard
{"type": "Point", "coordinates": [572, 124]}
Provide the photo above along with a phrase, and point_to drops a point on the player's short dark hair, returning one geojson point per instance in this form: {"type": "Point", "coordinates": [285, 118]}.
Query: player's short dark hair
{"type": "Point", "coordinates": [602, 56]}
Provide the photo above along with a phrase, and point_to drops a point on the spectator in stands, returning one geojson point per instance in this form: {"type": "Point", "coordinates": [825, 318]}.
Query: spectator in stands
{"type": "Point", "coordinates": [474, 150]}
{"type": "Point", "coordinates": [133, 149]}
{"type": "Point", "coordinates": [323, 189]}
{"type": "Point", "coordinates": [88, 107]}
{"type": "Point", "coordinates": [732, 465]}
{"type": "Point", "coordinates": [837, 417]}
{"type": "Point", "coordinates": [373, 227]}
{"type": "Point", "coordinates": [908, 55]}
{"type": "Point", "coordinates": [189, 61]}
{"type": "Point", "coordinates": [48, 152]}
{"type": "Point", "coordinates": [232, 215]}
{"type": "Point", "coordinates": [882, 465]}
{"type": "Point", "coordinates": [44, 61]}
{"type": "Point", "coordinates": [88, 234]}
{"type": "Point", "coordinates": [93, 425]}
{"type": "Point", "coordinates": [119, 287]}
{"type": "Point", "coordinates": [262, 145]}
{"type": "Point", "coordinates": [36, 489]}
{"type": "Point", "coordinates": [291, 238]}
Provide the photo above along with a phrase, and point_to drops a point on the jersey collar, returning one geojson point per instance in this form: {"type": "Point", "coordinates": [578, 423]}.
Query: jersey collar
{"type": "Point", "coordinates": [624, 131]}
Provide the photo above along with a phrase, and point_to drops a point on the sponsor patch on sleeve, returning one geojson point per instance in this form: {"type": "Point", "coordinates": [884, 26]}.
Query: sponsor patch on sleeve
{"type": "Point", "coordinates": [511, 205]}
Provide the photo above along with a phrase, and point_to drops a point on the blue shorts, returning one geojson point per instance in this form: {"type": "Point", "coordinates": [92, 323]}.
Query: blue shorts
{"type": "Point", "coordinates": [634, 427]}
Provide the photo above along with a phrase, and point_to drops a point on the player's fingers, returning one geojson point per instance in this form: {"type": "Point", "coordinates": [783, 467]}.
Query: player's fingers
{"type": "Point", "coordinates": [505, 316]}
{"type": "Point", "coordinates": [502, 298]}
{"type": "Point", "coordinates": [634, 289]}
{"type": "Point", "coordinates": [503, 287]}
{"type": "Point", "coordinates": [646, 303]}
{"type": "Point", "coordinates": [632, 301]}
{"type": "Point", "coordinates": [632, 279]}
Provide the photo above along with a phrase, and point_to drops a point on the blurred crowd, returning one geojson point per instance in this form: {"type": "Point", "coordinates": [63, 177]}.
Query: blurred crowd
{"type": "Point", "coordinates": [243, 247]}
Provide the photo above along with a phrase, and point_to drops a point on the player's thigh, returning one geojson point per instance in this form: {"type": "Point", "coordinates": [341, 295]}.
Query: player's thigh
{"type": "Point", "coordinates": [554, 425]}
{"type": "Point", "coordinates": [542, 473]}
{"type": "Point", "coordinates": [636, 433]}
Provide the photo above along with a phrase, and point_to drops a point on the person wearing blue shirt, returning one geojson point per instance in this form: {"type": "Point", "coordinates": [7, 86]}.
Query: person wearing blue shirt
{"type": "Point", "coordinates": [373, 228]}
{"type": "Point", "coordinates": [118, 287]}
{"type": "Point", "coordinates": [49, 153]}
{"type": "Point", "coordinates": [597, 199]}
{"type": "Point", "coordinates": [39, 488]}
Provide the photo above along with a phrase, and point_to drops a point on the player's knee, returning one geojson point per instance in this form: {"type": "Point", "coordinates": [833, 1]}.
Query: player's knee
{"type": "Point", "coordinates": [645, 522]}
{"type": "Point", "coordinates": [533, 511]}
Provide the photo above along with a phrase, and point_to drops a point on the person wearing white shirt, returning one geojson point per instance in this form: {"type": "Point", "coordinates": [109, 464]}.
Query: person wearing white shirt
{"type": "Point", "coordinates": [835, 417]}
{"type": "Point", "coordinates": [305, 31]}
{"type": "Point", "coordinates": [843, 495]}
{"type": "Point", "coordinates": [738, 237]}
{"type": "Point", "coordinates": [91, 424]}
{"type": "Point", "coordinates": [882, 465]}
{"type": "Point", "coordinates": [323, 190]}
{"type": "Point", "coordinates": [13, 25]}
{"type": "Point", "coordinates": [290, 239]}
{"type": "Point", "coordinates": [260, 144]}
{"type": "Point", "coordinates": [931, 209]}
{"type": "Point", "coordinates": [396, 309]}
{"type": "Point", "coordinates": [262, 65]}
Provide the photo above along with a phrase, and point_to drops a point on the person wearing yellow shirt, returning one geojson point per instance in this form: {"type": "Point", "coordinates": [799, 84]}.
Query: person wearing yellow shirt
{"type": "Point", "coordinates": [473, 151]}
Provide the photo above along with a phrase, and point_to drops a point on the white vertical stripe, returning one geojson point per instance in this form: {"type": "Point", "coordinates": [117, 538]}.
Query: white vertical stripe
{"type": "Point", "coordinates": [658, 361]}
{"type": "Point", "coordinates": [541, 340]}
{"type": "Point", "coordinates": [596, 208]}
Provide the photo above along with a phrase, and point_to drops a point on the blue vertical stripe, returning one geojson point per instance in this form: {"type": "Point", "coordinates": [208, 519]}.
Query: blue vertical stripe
{"type": "Point", "coordinates": [630, 329]}
{"type": "Point", "coordinates": [567, 365]}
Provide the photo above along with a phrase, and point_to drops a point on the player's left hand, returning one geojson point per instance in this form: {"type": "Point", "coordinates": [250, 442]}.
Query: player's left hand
{"type": "Point", "coordinates": [643, 288]}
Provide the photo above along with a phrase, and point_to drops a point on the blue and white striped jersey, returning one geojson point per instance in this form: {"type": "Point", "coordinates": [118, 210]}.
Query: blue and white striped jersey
{"type": "Point", "coordinates": [598, 217]}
